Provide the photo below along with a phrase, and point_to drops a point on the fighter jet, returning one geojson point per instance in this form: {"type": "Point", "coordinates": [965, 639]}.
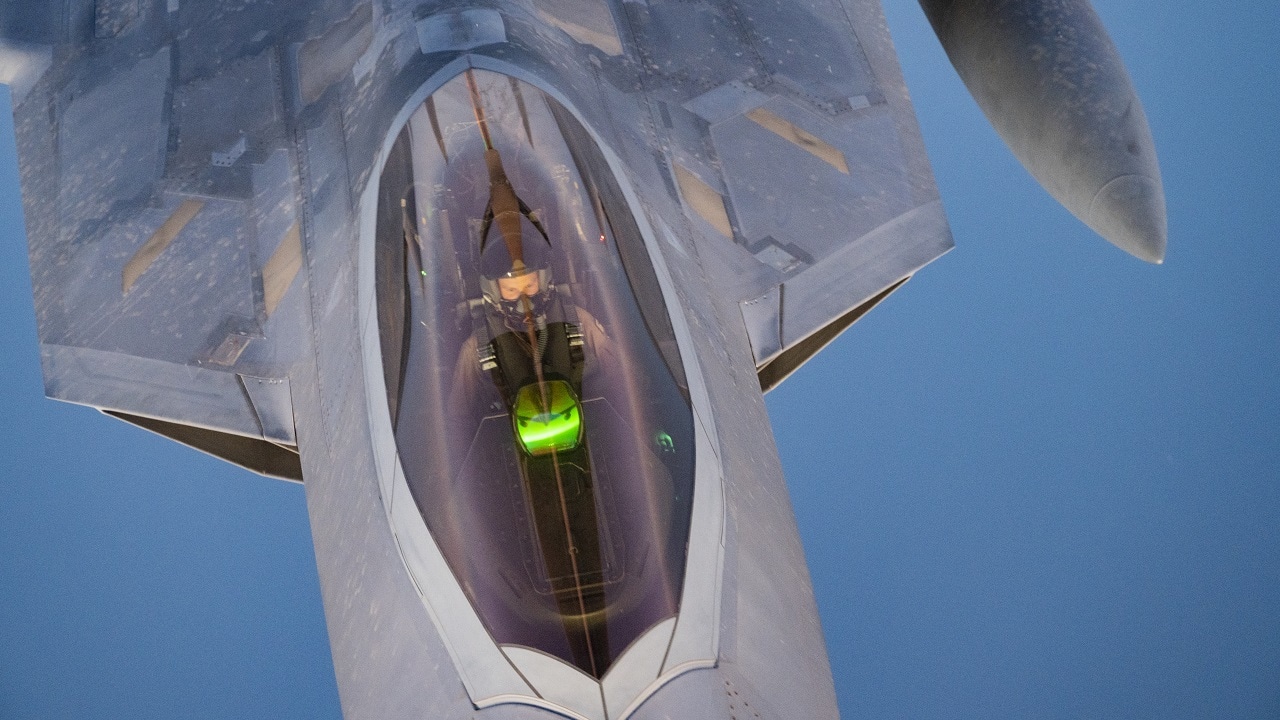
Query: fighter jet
{"type": "Point", "coordinates": [503, 285]}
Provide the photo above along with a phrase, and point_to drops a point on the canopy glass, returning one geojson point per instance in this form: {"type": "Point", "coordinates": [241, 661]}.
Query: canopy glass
{"type": "Point", "coordinates": [536, 389]}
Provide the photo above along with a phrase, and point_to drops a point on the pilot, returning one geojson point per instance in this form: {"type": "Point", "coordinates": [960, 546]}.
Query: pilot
{"type": "Point", "coordinates": [531, 328]}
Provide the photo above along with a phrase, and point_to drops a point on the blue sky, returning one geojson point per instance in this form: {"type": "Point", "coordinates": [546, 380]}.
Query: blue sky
{"type": "Point", "coordinates": [1046, 485]}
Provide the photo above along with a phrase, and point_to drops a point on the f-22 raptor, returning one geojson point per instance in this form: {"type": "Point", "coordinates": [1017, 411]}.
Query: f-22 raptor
{"type": "Point", "coordinates": [504, 283]}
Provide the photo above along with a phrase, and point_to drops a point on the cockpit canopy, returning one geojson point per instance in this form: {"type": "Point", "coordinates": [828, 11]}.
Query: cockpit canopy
{"type": "Point", "coordinates": [536, 391]}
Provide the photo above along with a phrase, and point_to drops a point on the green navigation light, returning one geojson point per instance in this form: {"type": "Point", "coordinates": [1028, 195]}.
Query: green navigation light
{"type": "Point", "coordinates": [557, 428]}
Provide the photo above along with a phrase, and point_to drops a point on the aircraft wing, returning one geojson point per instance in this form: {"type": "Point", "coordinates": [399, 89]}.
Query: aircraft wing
{"type": "Point", "coordinates": [165, 205]}
{"type": "Point", "coordinates": [163, 214]}
{"type": "Point", "coordinates": [792, 144]}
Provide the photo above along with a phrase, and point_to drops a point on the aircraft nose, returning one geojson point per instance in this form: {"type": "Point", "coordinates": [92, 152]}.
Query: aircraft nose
{"type": "Point", "coordinates": [1129, 212]}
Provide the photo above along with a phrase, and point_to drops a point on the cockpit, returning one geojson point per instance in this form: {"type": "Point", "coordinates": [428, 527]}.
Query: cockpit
{"type": "Point", "coordinates": [537, 394]}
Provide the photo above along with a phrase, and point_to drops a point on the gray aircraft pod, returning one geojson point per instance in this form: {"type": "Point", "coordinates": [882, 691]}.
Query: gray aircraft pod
{"type": "Point", "coordinates": [505, 283]}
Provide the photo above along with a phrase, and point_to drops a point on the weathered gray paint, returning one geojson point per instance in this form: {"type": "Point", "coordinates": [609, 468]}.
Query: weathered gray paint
{"type": "Point", "coordinates": [274, 117]}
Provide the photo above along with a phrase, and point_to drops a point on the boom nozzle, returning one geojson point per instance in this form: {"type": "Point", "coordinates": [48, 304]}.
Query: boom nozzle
{"type": "Point", "coordinates": [1052, 84]}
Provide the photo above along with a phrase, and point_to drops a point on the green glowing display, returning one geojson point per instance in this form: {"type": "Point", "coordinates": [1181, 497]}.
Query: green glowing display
{"type": "Point", "coordinates": [664, 442]}
{"type": "Point", "coordinates": [547, 417]}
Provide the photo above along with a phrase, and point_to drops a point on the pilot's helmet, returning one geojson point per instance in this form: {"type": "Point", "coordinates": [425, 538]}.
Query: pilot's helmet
{"type": "Point", "coordinates": [507, 281]}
